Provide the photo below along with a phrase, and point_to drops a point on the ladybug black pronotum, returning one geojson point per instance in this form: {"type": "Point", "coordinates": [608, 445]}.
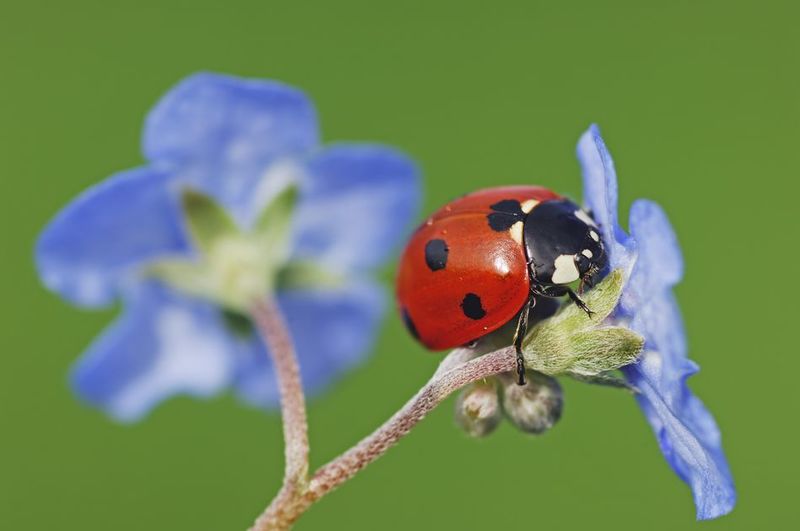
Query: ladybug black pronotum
{"type": "Point", "coordinates": [483, 259]}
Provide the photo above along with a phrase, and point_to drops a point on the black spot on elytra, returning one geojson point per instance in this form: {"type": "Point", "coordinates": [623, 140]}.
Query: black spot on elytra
{"type": "Point", "coordinates": [509, 206]}
{"type": "Point", "coordinates": [471, 306]}
{"type": "Point", "coordinates": [436, 254]}
{"type": "Point", "coordinates": [504, 214]}
{"type": "Point", "coordinates": [409, 324]}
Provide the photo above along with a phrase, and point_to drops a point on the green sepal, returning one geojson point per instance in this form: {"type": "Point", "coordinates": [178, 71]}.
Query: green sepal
{"type": "Point", "coordinates": [197, 278]}
{"type": "Point", "coordinates": [186, 275]}
{"type": "Point", "coordinates": [306, 274]}
{"type": "Point", "coordinates": [233, 267]}
{"type": "Point", "coordinates": [272, 228]}
{"type": "Point", "coordinates": [604, 349]}
{"type": "Point", "coordinates": [206, 220]}
{"type": "Point", "coordinates": [605, 379]}
{"type": "Point", "coordinates": [601, 300]}
{"type": "Point", "coordinates": [573, 342]}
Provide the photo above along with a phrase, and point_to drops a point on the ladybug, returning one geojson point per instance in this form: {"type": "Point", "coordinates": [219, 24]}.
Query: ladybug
{"type": "Point", "coordinates": [485, 258]}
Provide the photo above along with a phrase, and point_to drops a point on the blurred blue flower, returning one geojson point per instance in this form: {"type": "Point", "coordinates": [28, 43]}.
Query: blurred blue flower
{"type": "Point", "coordinates": [238, 141]}
{"type": "Point", "coordinates": [686, 431]}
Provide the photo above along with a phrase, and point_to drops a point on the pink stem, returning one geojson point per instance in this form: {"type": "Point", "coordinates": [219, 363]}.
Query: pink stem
{"type": "Point", "coordinates": [272, 328]}
{"type": "Point", "coordinates": [378, 442]}
{"type": "Point", "coordinates": [453, 374]}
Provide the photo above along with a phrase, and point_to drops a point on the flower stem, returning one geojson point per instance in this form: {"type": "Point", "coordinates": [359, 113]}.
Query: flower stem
{"type": "Point", "coordinates": [431, 395]}
{"type": "Point", "coordinates": [272, 328]}
{"type": "Point", "coordinates": [296, 496]}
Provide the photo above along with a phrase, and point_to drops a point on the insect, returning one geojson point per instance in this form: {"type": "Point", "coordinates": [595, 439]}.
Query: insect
{"type": "Point", "coordinates": [485, 258]}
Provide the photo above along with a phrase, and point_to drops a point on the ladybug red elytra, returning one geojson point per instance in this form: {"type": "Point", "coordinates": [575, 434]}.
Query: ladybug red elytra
{"type": "Point", "coordinates": [484, 258]}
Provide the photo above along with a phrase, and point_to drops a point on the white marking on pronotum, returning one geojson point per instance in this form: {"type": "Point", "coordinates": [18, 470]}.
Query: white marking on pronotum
{"type": "Point", "coordinates": [586, 218]}
{"type": "Point", "coordinates": [528, 205]}
{"type": "Point", "coordinates": [594, 235]}
{"type": "Point", "coordinates": [587, 253]}
{"type": "Point", "coordinates": [566, 271]}
{"type": "Point", "coordinates": [516, 232]}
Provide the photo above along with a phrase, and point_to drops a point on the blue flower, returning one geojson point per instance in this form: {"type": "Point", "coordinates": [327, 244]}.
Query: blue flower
{"type": "Point", "coordinates": [239, 142]}
{"type": "Point", "coordinates": [686, 431]}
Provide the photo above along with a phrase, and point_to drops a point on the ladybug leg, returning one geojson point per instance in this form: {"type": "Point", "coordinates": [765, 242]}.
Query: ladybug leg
{"type": "Point", "coordinates": [519, 335]}
{"type": "Point", "coordinates": [579, 303]}
{"type": "Point", "coordinates": [560, 291]}
{"type": "Point", "coordinates": [551, 292]}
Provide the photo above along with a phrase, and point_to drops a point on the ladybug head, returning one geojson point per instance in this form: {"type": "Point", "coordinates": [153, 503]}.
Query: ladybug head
{"type": "Point", "coordinates": [563, 243]}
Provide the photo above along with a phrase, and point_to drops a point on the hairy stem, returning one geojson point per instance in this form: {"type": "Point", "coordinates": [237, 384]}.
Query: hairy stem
{"type": "Point", "coordinates": [456, 371]}
{"type": "Point", "coordinates": [437, 389]}
{"type": "Point", "coordinates": [272, 329]}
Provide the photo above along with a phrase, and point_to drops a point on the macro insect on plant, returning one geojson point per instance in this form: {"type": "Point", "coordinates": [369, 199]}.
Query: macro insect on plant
{"type": "Point", "coordinates": [484, 258]}
{"type": "Point", "coordinates": [233, 254]}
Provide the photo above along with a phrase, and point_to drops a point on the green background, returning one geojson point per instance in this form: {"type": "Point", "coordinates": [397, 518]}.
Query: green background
{"type": "Point", "coordinates": [700, 105]}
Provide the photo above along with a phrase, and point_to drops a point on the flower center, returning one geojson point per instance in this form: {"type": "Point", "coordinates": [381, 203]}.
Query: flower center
{"type": "Point", "coordinates": [238, 267]}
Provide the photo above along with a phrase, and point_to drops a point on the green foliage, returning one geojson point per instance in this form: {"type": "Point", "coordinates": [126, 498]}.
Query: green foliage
{"type": "Point", "coordinates": [574, 342]}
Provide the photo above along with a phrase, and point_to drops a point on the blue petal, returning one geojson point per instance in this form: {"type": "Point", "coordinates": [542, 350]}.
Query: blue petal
{"type": "Point", "coordinates": [686, 431]}
{"type": "Point", "coordinates": [357, 205]}
{"type": "Point", "coordinates": [600, 196]}
{"type": "Point", "coordinates": [86, 251]}
{"type": "Point", "coordinates": [661, 262]}
{"type": "Point", "coordinates": [221, 133]}
{"type": "Point", "coordinates": [688, 437]}
{"type": "Point", "coordinates": [658, 267]}
{"type": "Point", "coordinates": [333, 330]}
{"type": "Point", "coordinates": [162, 345]}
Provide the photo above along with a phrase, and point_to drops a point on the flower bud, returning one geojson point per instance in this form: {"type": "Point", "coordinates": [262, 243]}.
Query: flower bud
{"type": "Point", "coordinates": [536, 406]}
{"type": "Point", "coordinates": [478, 409]}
